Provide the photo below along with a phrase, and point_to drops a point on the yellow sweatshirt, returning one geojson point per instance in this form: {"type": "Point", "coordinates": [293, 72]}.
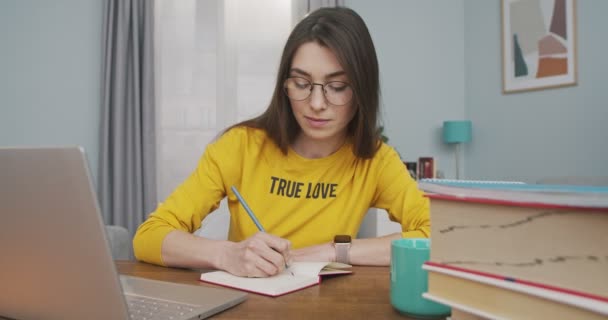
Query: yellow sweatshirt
{"type": "Point", "coordinates": [307, 201]}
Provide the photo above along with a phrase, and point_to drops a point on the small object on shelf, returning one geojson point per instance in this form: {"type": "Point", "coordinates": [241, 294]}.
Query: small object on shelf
{"type": "Point", "coordinates": [426, 168]}
{"type": "Point", "coordinates": [412, 168]}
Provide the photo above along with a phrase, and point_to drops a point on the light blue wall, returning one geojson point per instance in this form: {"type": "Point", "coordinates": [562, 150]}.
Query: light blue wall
{"type": "Point", "coordinates": [421, 52]}
{"type": "Point", "coordinates": [445, 64]}
{"type": "Point", "coordinates": [531, 135]}
{"type": "Point", "coordinates": [50, 73]}
{"type": "Point", "coordinates": [436, 64]}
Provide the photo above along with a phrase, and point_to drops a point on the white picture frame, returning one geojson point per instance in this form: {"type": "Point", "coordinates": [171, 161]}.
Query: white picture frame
{"type": "Point", "coordinates": [538, 44]}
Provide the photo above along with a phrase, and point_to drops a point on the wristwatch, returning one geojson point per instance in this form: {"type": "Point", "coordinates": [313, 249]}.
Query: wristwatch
{"type": "Point", "coordinates": [342, 245]}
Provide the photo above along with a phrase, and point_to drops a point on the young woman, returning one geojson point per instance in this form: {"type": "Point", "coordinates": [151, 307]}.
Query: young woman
{"type": "Point", "coordinates": [309, 167]}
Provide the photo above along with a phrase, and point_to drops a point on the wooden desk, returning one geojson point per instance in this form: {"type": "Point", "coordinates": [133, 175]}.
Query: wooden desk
{"type": "Point", "coordinates": [362, 295]}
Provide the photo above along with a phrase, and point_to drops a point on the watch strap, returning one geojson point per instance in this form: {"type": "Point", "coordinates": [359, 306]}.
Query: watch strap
{"type": "Point", "coordinates": [342, 252]}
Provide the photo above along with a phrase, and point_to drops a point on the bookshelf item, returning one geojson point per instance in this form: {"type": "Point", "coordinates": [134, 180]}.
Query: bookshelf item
{"type": "Point", "coordinates": [426, 167]}
{"type": "Point", "coordinates": [299, 276]}
{"type": "Point", "coordinates": [412, 168]}
{"type": "Point", "coordinates": [496, 298]}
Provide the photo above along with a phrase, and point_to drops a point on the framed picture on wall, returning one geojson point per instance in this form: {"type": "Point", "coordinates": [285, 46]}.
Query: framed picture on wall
{"type": "Point", "coordinates": [538, 44]}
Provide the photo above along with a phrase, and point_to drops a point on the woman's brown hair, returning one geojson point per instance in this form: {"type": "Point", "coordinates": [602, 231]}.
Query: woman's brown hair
{"type": "Point", "coordinates": [344, 32]}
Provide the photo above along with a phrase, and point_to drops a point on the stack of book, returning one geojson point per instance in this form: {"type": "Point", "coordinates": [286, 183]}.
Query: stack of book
{"type": "Point", "coordinates": [516, 250]}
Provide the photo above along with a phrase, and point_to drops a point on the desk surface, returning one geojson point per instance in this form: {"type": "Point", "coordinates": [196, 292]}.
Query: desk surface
{"type": "Point", "coordinates": [362, 295]}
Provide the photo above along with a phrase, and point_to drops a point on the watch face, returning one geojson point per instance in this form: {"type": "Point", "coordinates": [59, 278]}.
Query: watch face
{"type": "Point", "coordinates": [342, 239]}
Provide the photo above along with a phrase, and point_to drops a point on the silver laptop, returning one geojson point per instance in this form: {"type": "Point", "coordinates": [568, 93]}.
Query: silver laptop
{"type": "Point", "coordinates": [55, 262]}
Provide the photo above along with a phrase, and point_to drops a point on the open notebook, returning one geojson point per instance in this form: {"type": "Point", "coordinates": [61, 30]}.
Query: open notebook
{"type": "Point", "coordinates": [300, 275]}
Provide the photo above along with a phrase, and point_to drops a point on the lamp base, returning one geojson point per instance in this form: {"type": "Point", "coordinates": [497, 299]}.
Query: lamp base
{"type": "Point", "coordinates": [457, 161]}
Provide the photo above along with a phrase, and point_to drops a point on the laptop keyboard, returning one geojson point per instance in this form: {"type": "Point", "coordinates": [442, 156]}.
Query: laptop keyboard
{"type": "Point", "coordinates": [144, 308]}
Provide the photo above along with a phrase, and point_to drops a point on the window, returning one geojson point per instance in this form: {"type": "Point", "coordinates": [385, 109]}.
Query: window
{"type": "Point", "coordinates": [216, 65]}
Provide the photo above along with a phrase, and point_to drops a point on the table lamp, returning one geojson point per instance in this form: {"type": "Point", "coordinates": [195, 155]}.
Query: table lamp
{"type": "Point", "coordinates": [457, 132]}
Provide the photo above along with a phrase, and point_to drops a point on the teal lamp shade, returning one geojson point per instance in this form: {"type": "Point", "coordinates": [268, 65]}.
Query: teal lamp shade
{"type": "Point", "coordinates": [457, 131]}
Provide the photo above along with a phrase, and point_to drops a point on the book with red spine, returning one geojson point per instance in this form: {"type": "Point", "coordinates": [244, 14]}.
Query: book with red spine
{"type": "Point", "coordinates": [553, 238]}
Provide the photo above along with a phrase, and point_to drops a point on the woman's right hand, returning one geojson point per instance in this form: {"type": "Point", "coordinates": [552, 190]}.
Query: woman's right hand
{"type": "Point", "coordinates": [261, 255]}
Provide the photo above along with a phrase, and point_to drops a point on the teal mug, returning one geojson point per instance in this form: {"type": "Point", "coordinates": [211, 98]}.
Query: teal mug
{"type": "Point", "coordinates": [409, 281]}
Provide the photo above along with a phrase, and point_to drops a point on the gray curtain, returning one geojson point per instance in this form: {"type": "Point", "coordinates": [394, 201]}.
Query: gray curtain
{"type": "Point", "coordinates": [127, 157]}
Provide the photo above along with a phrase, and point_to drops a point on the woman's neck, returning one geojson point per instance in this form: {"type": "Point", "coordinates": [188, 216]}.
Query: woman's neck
{"type": "Point", "coordinates": [315, 149]}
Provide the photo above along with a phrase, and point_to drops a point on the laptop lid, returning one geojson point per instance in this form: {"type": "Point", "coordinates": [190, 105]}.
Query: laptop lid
{"type": "Point", "coordinates": [56, 263]}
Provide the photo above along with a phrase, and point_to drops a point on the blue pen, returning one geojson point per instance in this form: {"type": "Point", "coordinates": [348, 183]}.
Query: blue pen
{"type": "Point", "coordinates": [249, 212]}
{"type": "Point", "coordinates": [251, 215]}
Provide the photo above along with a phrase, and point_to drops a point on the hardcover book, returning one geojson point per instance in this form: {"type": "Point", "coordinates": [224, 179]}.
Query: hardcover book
{"type": "Point", "coordinates": [519, 192]}
{"type": "Point", "coordinates": [492, 297]}
{"type": "Point", "coordinates": [545, 240]}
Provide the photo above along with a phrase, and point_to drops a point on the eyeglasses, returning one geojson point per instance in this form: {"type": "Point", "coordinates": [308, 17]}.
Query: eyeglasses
{"type": "Point", "coordinates": [337, 93]}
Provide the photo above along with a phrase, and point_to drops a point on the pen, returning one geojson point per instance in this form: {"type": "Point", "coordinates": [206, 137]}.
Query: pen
{"type": "Point", "coordinates": [249, 212]}
{"type": "Point", "coordinates": [252, 216]}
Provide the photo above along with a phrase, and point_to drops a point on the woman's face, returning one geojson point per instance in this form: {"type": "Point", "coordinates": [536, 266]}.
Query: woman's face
{"type": "Point", "coordinates": [319, 119]}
